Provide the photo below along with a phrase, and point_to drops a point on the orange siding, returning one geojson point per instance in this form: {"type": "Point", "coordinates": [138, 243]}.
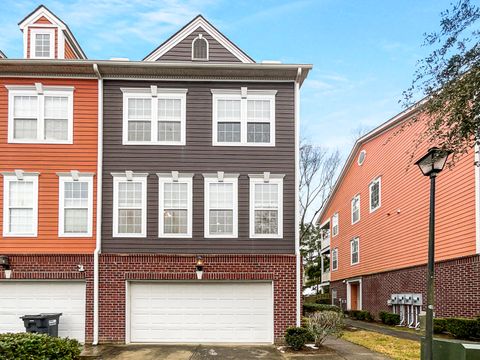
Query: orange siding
{"type": "Point", "coordinates": [48, 159]}
{"type": "Point", "coordinates": [395, 235]}
{"type": "Point", "coordinates": [69, 54]}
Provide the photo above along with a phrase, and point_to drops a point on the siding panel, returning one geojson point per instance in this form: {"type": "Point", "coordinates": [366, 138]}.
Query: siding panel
{"type": "Point", "coordinates": [199, 156]}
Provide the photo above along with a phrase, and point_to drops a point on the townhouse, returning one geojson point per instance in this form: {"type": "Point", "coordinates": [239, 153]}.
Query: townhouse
{"type": "Point", "coordinates": [376, 228]}
{"type": "Point", "coordinates": [194, 164]}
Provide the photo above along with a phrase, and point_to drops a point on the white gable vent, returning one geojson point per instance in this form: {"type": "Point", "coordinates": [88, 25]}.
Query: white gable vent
{"type": "Point", "coordinates": [361, 157]}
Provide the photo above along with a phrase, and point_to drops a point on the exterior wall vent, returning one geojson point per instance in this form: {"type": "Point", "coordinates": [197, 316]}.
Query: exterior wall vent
{"type": "Point", "coordinates": [361, 157]}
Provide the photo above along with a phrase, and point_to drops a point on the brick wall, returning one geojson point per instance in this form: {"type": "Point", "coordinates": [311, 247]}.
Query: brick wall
{"type": "Point", "coordinates": [57, 267]}
{"type": "Point", "coordinates": [115, 270]}
{"type": "Point", "coordinates": [457, 287]}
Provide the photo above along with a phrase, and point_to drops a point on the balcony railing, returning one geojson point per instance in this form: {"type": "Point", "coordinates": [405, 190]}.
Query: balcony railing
{"type": "Point", "coordinates": [325, 243]}
{"type": "Point", "coordinates": [326, 277]}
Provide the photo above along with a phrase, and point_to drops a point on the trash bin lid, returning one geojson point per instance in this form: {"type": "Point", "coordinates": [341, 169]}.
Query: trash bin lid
{"type": "Point", "coordinates": [41, 316]}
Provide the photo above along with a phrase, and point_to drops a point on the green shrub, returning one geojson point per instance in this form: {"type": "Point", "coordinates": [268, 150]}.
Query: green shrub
{"type": "Point", "coordinates": [439, 325]}
{"type": "Point", "coordinates": [462, 328]}
{"type": "Point", "coordinates": [313, 307]}
{"type": "Point", "coordinates": [389, 318]}
{"type": "Point", "coordinates": [304, 324]}
{"type": "Point", "coordinates": [359, 315]}
{"type": "Point", "coordinates": [295, 337]}
{"type": "Point", "coordinates": [28, 346]}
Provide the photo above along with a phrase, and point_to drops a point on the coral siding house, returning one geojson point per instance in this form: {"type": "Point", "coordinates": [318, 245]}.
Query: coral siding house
{"type": "Point", "coordinates": [48, 165]}
{"type": "Point", "coordinates": [379, 208]}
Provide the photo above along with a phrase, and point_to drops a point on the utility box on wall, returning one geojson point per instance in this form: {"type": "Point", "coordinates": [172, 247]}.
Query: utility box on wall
{"type": "Point", "coordinates": [445, 349]}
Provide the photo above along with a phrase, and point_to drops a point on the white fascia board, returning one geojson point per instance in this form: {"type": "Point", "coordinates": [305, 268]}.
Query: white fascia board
{"type": "Point", "coordinates": [199, 22]}
{"type": "Point", "coordinates": [38, 14]}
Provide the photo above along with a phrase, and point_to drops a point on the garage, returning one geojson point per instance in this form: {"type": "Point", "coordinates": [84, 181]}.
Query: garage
{"type": "Point", "coordinates": [18, 298]}
{"type": "Point", "coordinates": [206, 312]}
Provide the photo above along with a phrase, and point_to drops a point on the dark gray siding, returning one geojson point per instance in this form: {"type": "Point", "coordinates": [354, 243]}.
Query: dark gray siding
{"type": "Point", "coordinates": [183, 50]}
{"type": "Point", "coordinates": [199, 156]}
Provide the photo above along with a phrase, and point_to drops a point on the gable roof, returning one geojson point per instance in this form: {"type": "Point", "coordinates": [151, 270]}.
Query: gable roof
{"type": "Point", "coordinates": [43, 11]}
{"type": "Point", "coordinates": [2, 55]}
{"type": "Point", "coordinates": [198, 21]}
{"type": "Point", "coordinates": [389, 124]}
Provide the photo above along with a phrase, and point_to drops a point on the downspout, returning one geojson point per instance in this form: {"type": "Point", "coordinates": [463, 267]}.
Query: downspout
{"type": "Point", "coordinates": [96, 254]}
{"type": "Point", "coordinates": [297, 194]}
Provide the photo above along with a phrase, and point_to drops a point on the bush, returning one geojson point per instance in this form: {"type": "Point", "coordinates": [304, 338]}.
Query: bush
{"type": "Point", "coordinates": [462, 328]}
{"type": "Point", "coordinates": [324, 323]}
{"type": "Point", "coordinates": [359, 315]}
{"type": "Point", "coordinates": [295, 337]}
{"type": "Point", "coordinates": [313, 307]}
{"type": "Point", "coordinates": [389, 318]}
{"type": "Point", "coordinates": [439, 325]}
{"type": "Point", "coordinates": [23, 346]}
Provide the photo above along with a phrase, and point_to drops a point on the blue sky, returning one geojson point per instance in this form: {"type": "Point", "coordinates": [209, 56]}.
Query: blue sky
{"type": "Point", "coordinates": [363, 51]}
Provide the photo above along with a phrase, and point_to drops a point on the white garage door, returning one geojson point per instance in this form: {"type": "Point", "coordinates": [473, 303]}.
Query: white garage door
{"type": "Point", "coordinates": [201, 312]}
{"type": "Point", "coordinates": [18, 298]}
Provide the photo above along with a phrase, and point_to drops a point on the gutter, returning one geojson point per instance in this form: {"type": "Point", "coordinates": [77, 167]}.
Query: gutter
{"type": "Point", "coordinates": [96, 254]}
{"type": "Point", "coordinates": [297, 194]}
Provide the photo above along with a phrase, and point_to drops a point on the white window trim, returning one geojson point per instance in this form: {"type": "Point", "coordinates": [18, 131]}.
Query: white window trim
{"type": "Point", "coordinates": [335, 216]}
{"type": "Point", "coordinates": [357, 239]}
{"type": "Point", "coordinates": [200, 36]}
{"type": "Point", "coordinates": [164, 178]}
{"type": "Point", "coordinates": [216, 178]}
{"type": "Point", "coordinates": [243, 95]}
{"type": "Point", "coordinates": [154, 94]}
{"type": "Point", "coordinates": [359, 293]}
{"type": "Point", "coordinates": [69, 177]}
{"type": "Point", "coordinates": [19, 176]}
{"type": "Point", "coordinates": [351, 209]}
{"type": "Point", "coordinates": [40, 92]}
{"type": "Point", "coordinates": [379, 181]}
{"type": "Point", "coordinates": [266, 179]}
{"type": "Point", "coordinates": [41, 31]}
{"type": "Point", "coordinates": [129, 176]}
{"type": "Point", "coordinates": [335, 250]}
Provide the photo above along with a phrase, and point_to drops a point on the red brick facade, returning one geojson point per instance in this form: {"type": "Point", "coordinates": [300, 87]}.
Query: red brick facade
{"type": "Point", "coordinates": [57, 267]}
{"type": "Point", "coordinates": [115, 270]}
{"type": "Point", "coordinates": [457, 287]}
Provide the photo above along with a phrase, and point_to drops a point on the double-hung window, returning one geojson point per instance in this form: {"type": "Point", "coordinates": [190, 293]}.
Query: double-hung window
{"type": "Point", "coordinates": [375, 194]}
{"type": "Point", "coordinates": [154, 116]}
{"type": "Point", "coordinates": [335, 224]}
{"type": "Point", "coordinates": [129, 204]}
{"type": "Point", "coordinates": [356, 209]}
{"type": "Point", "coordinates": [40, 114]}
{"type": "Point", "coordinates": [243, 117]}
{"type": "Point", "coordinates": [75, 204]}
{"type": "Point", "coordinates": [221, 201]}
{"type": "Point", "coordinates": [266, 206]}
{"type": "Point", "coordinates": [335, 259]}
{"type": "Point", "coordinates": [42, 43]}
{"type": "Point", "coordinates": [175, 204]}
{"type": "Point", "coordinates": [355, 251]}
{"type": "Point", "coordinates": [20, 204]}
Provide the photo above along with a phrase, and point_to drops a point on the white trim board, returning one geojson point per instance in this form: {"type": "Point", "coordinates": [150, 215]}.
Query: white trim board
{"type": "Point", "coordinates": [187, 30]}
{"type": "Point", "coordinates": [349, 299]}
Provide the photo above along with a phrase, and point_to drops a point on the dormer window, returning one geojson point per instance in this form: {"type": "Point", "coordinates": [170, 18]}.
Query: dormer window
{"type": "Point", "coordinates": [42, 44]}
{"type": "Point", "coordinates": [200, 48]}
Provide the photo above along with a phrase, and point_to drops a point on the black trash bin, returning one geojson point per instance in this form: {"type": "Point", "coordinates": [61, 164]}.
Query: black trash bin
{"type": "Point", "coordinates": [42, 323]}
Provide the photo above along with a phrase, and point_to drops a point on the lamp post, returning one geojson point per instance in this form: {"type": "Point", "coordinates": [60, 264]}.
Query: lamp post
{"type": "Point", "coordinates": [431, 164]}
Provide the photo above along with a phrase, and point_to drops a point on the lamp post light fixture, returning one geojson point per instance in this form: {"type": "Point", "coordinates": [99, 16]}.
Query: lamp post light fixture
{"type": "Point", "coordinates": [199, 267]}
{"type": "Point", "coordinates": [431, 164]}
{"type": "Point", "coordinates": [5, 264]}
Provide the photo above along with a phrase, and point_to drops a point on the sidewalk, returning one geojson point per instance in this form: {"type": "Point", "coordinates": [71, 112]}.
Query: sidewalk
{"type": "Point", "coordinates": [392, 331]}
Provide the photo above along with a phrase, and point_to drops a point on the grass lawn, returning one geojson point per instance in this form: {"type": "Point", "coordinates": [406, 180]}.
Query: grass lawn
{"type": "Point", "coordinates": [398, 349]}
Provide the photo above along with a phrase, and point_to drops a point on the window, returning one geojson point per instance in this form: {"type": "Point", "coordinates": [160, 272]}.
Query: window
{"type": "Point", "coordinates": [335, 224]}
{"type": "Point", "coordinates": [75, 205]}
{"type": "Point", "coordinates": [361, 157]}
{"type": "Point", "coordinates": [375, 194]}
{"type": "Point", "coordinates": [130, 204]}
{"type": "Point", "coordinates": [42, 43]}
{"type": "Point", "coordinates": [266, 206]}
{"type": "Point", "coordinates": [221, 198]}
{"type": "Point", "coordinates": [334, 296]}
{"type": "Point", "coordinates": [175, 201]}
{"type": "Point", "coordinates": [356, 209]}
{"type": "Point", "coordinates": [335, 259]}
{"type": "Point", "coordinates": [244, 117]}
{"type": "Point", "coordinates": [355, 251]}
{"type": "Point", "coordinates": [40, 114]}
{"type": "Point", "coordinates": [154, 116]}
{"type": "Point", "coordinates": [20, 204]}
{"type": "Point", "coordinates": [200, 48]}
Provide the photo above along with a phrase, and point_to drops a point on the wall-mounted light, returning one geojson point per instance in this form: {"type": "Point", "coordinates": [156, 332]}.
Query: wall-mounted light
{"type": "Point", "coordinates": [5, 264]}
{"type": "Point", "coordinates": [199, 267]}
